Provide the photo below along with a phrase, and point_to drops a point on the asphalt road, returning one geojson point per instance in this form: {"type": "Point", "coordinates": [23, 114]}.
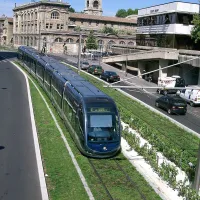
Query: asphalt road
{"type": "Point", "coordinates": [190, 120]}
{"type": "Point", "coordinates": [19, 178]}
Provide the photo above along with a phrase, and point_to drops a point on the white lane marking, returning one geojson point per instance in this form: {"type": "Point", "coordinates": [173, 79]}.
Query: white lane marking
{"type": "Point", "coordinates": [36, 143]}
{"type": "Point", "coordinates": [90, 195]}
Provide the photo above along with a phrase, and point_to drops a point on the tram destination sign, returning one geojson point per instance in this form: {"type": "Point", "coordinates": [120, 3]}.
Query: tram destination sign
{"type": "Point", "coordinates": [99, 109]}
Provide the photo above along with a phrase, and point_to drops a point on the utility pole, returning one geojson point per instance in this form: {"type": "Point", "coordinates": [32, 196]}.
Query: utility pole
{"type": "Point", "coordinates": [197, 173]}
{"type": "Point", "coordinates": [79, 54]}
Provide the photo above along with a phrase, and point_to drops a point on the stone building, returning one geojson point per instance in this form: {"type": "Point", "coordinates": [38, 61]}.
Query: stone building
{"type": "Point", "coordinates": [93, 7]}
{"type": "Point", "coordinates": [55, 27]}
{"type": "Point", "coordinates": [6, 31]}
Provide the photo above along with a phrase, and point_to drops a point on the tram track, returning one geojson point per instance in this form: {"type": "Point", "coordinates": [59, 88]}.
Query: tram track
{"type": "Point", "coordinates": [123, 180]}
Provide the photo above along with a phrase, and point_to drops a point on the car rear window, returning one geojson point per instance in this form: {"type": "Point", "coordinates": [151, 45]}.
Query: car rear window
{"type": "Point", "coordinates": [113, 73]}
{"type": "Point", "coordinates": [179, 102]}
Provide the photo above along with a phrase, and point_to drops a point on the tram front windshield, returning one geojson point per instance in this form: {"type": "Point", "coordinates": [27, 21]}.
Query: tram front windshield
{"type": "Point", "coordinates": [102, 123]}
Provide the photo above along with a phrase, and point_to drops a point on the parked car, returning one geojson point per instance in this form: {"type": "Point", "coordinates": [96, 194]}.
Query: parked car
{"type": "Point", "coordinates": [192, 96]}
{"type": "Point", "coordinates": [110, 76]}
{"type": "Point", "coordinates": [95, 69]}
{"type": "Point", "coordinates": [173, 104]}
{"type": "Point", "coordinates": [85, 65]}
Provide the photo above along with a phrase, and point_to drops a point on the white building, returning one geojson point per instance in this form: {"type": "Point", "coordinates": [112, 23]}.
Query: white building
{"type": "Point", "coordinates": [167, 25]}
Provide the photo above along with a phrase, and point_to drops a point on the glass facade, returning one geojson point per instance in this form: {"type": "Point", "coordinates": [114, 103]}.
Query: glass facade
{"type": "Point", "coordinates": [168, 18]}
{"type": "Point", "coordinates": [166, 40]}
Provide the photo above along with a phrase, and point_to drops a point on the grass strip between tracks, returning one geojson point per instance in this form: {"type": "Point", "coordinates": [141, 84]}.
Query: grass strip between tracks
{"type": "Point", "coordinates": [63, 181]}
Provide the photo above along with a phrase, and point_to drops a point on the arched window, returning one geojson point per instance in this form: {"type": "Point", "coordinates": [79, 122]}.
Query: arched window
{"type": "Point", "coordinates": [96, 4]}
{"type": "Point", "coordinates": [58, 40]}
{"type": "Point", "coordinates": [122, 42]}
{"type": "Point", "coordinates": [22, 41]}
{"type": "Point", "coordinates": [16, 40]}
{"type": "Point", "coordinates": [88, 3]}
{"type": "Point", "coordinates": [31, 41]}
{"type": "Point", "coordinates": [69, 40]}
{"type": "Point", "coordinates": [55, 15]}
{"type": "Point", "coordinates": [110, 43]}
{"type": "Point", "coordinates": [36, 15]}
{"type": "Point", "coordinates": [100, 44]}
{"type": "Point", "coordinates": [131, 43]}
{"type": "Point", "coordinates": [35, 44]}
{"type": "Point", "coordinates": [31, 16]}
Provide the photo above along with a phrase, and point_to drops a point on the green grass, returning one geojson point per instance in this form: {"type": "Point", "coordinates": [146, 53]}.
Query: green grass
{"type": "Point", "coordinates": [63, 181]}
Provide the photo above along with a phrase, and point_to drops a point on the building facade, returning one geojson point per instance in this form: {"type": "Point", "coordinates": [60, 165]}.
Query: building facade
{"type": "Point", "coordinates": [55, 27]}
{"type": "Point", "coordinates": [93, 7]}
{"type": "Point", "coordinates": [6, 31]}
{"type": "Point", "coordinates": [167, 25]}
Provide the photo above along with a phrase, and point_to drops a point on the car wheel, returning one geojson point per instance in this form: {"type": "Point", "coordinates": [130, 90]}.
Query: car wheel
{"type": "Point", "coordinates": [157, 104]}
{"type": "Point", "coordinates": [169, 111]}
{"type": "Point", "coordinates": [107, 79]}
{"type": "Point", "coordinates": [191, 103]}
{"type": "Point", "coordinates": [184, 113]}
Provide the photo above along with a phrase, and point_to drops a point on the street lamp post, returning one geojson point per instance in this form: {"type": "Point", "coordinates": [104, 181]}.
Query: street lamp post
{"type": "Point", "coordinates": [39, 36]}
{"type": "Point", "coordinates": [79, 54]}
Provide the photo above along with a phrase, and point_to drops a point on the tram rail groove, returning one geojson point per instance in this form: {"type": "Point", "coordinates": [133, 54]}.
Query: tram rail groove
{"type": "Point", "coordinates": [120, 168]}
{"type": "Point", "coordinates": [100, 179]}
{"type": "Point", "coordinates": [130, 180]}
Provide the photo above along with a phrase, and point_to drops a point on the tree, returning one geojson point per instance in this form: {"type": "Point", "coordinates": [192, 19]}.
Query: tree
{"type": "Point", "coordinates": [195, 33]}
{"type": "Point", "coordinates": [91, 42]}
{"type": "Point", "coordinates": [124, 13]}
{"type": "Point", "coordinates": [132, 12]}
{"type": "Point", "coordinates": [110, 30]}
{"type": "Point", "coordinates": [71, 10]}
{"type": "Point", "coordinates": [121, 13]}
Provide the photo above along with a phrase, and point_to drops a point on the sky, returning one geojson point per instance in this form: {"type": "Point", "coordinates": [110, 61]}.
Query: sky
{"type": "Point", "coordinates": [110, 7]}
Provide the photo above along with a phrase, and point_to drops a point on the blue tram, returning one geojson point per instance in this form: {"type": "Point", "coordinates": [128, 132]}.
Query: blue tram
{"type": "Point", "coordinates": [90, 114]}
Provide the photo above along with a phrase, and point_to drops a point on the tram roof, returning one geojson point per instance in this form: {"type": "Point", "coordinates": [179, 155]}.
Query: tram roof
{"type": "Point", "coordinates": [85, 88]}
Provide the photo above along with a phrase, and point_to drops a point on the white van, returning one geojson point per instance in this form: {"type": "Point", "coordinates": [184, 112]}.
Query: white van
{"type": "Point", "coordinates": [170, 82]}
{"type": "Point", "coordinates": [192, 96]}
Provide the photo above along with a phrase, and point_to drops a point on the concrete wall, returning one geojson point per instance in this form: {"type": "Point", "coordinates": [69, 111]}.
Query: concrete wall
{"type": "Point", "coordinates": [190, 74]}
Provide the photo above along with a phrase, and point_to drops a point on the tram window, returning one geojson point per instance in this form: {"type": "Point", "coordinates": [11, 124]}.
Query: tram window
{"type": "Point", "coordinates": [102, 121]}
{"type": "Point", "coordinates": [81, 119]}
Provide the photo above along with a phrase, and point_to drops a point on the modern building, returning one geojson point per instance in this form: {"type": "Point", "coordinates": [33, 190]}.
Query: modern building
{"type": "Point", "coordinates": [54, 26]}
{"type": "Point", "coordinates": [167, 25]}
{"type": "Point", "coordinates": [6, 31]}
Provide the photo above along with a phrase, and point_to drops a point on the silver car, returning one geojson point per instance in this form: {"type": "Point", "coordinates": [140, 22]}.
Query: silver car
{"type": "Point", "coordinates": [85, 65]}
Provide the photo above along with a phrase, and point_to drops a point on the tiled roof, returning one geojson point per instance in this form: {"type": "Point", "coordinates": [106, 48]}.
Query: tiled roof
{"type": "Point", "coordinates": [102, 18]}
{"type": "Point", "coordinates": [10, 19]}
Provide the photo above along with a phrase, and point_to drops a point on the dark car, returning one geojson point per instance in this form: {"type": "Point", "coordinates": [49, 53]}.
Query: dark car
{"type": "Point", "coordinates": [110, 76]}
{"type": "Point", "coordinates": [173, 104]}
{"type": "Point", "coordinates": [95, 69]}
